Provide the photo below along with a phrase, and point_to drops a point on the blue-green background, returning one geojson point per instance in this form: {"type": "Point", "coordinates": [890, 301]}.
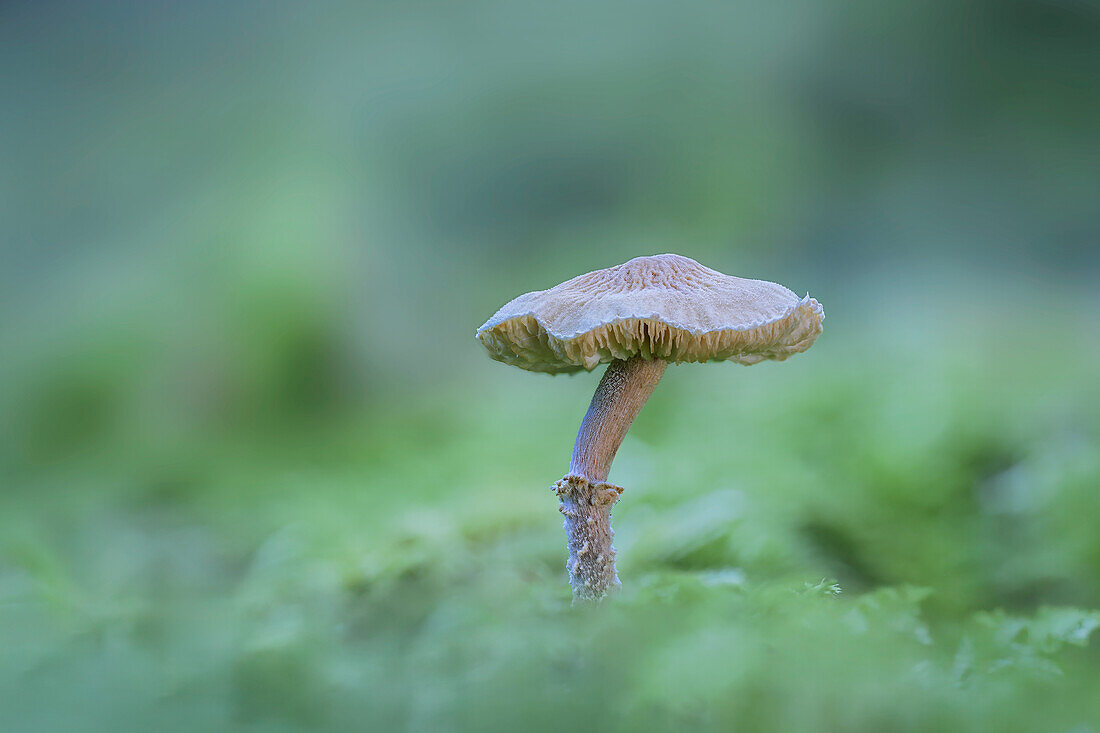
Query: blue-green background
{"type": "Point", "coordinates": [256, 474]}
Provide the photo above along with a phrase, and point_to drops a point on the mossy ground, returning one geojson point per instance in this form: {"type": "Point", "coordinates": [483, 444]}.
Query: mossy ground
{"type": "Point", "coordinates": [872, 536]}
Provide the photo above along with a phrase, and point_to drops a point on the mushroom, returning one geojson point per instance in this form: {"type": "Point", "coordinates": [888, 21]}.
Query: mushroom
{"type": "Point", "coordinates": [636, 317]}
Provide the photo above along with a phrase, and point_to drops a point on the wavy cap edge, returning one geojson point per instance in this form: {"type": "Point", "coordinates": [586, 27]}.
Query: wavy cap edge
{"type": "Point", "coordinates": [524, 341]}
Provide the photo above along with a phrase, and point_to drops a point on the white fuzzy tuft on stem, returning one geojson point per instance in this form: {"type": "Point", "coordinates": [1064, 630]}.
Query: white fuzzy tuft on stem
{"type": "Point", "coordinates": [588, 529]}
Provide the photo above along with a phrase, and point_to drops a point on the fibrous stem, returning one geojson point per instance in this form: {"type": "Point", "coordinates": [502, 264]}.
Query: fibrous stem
{"type": "Point", "coordinates": [585, 495]}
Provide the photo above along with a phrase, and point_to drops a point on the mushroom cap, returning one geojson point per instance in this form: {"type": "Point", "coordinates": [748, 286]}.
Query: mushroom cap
{"type": "Point", "coordinates": [660, 307]}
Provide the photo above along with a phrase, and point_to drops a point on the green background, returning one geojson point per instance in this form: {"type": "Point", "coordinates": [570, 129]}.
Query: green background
{"type": "Point", "coordinates": [256, 474]}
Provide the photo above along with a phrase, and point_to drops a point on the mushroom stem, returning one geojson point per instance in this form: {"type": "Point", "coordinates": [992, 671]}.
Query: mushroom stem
{"type": "Point", "coordinates": [586, 497]}
{"type": "Point", "coordinates": [623, 391]}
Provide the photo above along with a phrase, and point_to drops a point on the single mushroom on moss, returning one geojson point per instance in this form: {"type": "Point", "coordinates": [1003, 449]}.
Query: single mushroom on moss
{"type": "Point", "coordinates": [636, 317]}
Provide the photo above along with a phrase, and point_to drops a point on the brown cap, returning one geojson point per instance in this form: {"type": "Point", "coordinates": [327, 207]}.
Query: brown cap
{"type": "Point", "coordinates": [661, 307]}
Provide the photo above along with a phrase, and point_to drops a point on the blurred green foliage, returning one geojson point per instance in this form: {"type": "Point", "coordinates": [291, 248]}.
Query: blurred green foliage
{"type": "Point", "coordinates": [256, 474]}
